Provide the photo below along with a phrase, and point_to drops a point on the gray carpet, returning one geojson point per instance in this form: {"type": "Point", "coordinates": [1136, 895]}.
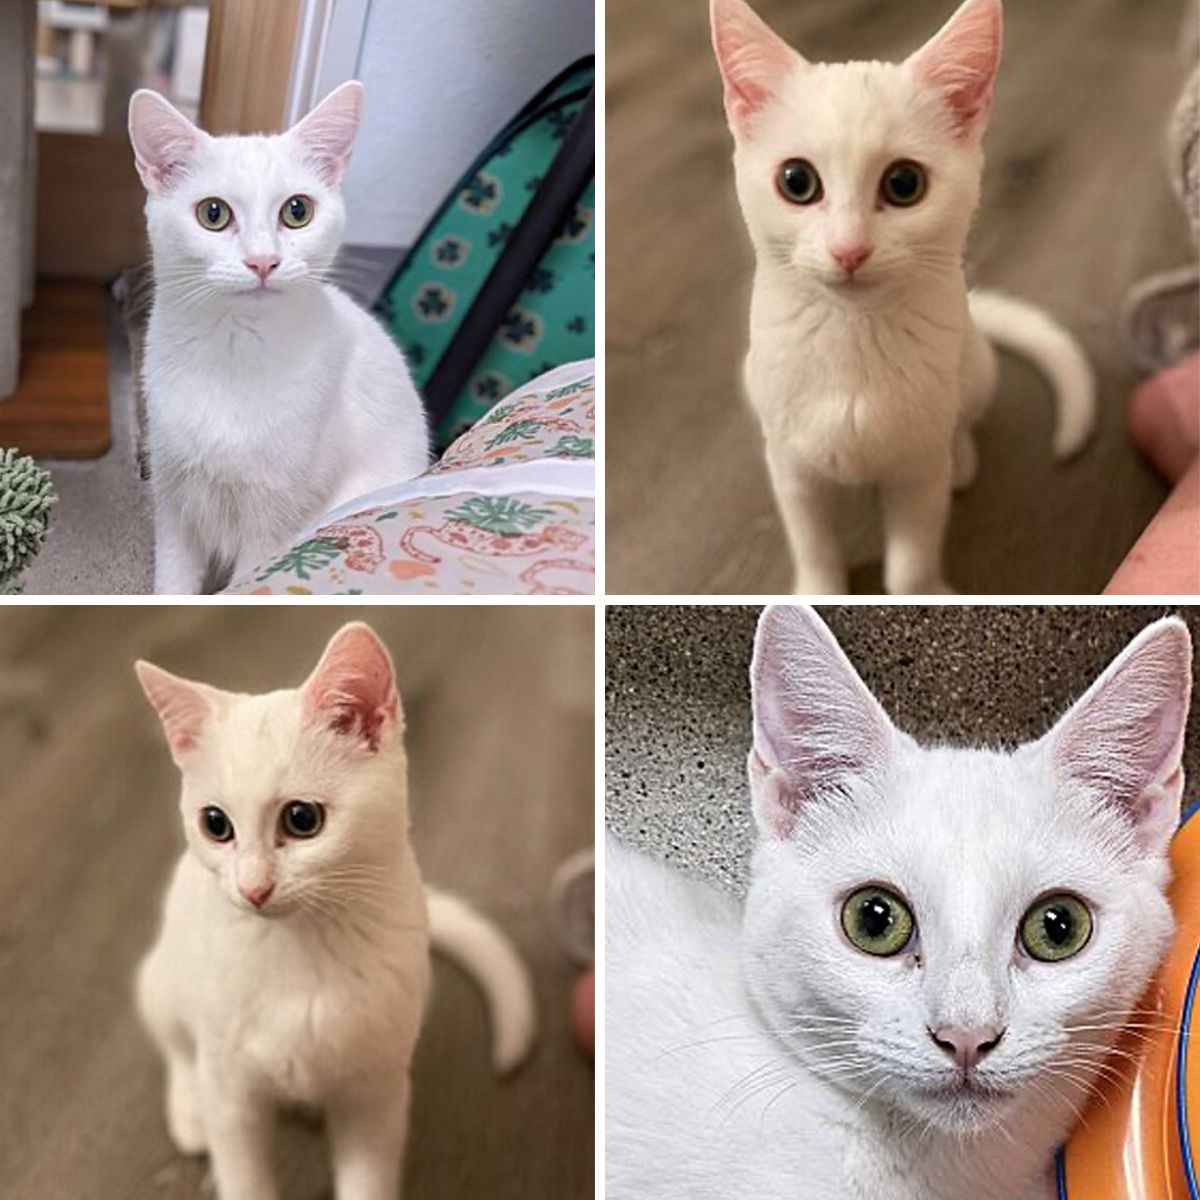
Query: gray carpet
{"type": "Point", "coordinates": [677, 714]}
{"type": "Point", "coordinates": [101, 540]}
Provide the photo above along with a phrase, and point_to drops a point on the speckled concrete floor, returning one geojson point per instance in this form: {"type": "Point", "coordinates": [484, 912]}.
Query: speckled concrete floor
{"type": "Point", "coordinates": [678, 707]}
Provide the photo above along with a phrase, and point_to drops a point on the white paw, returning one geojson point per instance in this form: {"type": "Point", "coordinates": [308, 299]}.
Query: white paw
{"type": "Point", "coordinates": [184, 1124]}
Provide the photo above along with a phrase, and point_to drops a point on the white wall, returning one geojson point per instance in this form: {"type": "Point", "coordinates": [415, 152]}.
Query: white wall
{"type": "Point", "coordinates": [441, 77]}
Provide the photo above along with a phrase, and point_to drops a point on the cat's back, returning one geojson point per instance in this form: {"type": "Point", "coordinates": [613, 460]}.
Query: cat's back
{"type": "Point", "coordinates": [382, 399]}
{"type": "Point", "coordinates": [699, 1100]}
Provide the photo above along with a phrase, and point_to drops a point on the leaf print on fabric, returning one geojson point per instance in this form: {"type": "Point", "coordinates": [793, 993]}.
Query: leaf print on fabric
{"type": "Point", "coordinates": [311, 556]}
{"type": "Point", "coordinates": [523, 430]}
{"type": "Point", "coordinates": [570, 446]}
{"type": "Point", "coordinates": [499, 514]}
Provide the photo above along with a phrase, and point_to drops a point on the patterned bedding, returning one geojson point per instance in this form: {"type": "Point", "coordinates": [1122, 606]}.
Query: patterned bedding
{"type": "Point", "coordinates": [508, 510]}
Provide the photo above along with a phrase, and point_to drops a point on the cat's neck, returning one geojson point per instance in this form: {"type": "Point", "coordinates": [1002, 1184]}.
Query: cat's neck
{"type": "Point", "coordinates": [244, 323]}
{"type": "Point", "coordinates": [783, 296]}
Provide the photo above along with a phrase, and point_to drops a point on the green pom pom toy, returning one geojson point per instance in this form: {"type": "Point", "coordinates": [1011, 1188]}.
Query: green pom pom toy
{"type": "Point", "coordinates": [26, 499]}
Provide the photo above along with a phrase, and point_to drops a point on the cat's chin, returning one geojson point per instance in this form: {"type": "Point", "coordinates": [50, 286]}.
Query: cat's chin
{"type": "Point", "coordinates": [958, 1109]}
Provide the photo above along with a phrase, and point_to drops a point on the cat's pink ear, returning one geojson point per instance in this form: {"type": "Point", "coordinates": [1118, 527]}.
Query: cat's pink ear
{"type": "Point", "coordinates": [353, 689]}
{"type": "Point", "coordinates": [961, 61]}
{"type": "Point", "coordinates": [1122, 742]}
{"type": "Point", "coordinates": [327, 134]}
{"type": "Point", "coordinates": [164, 141]}
{"type": "Point", "coordinates": [818, 731]}
{"type": "Point", "coordinates": [753, 60]}
{"type": "Point", "coordinates": [183, 706]}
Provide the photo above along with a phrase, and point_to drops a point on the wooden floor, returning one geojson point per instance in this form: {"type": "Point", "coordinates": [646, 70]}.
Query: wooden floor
{"type": "Point", "coordinates": [1076, 208]}
{"type": "Point", "coordinates": [60, 408]}
{"type": "Point", "coordinates": [499, 710]}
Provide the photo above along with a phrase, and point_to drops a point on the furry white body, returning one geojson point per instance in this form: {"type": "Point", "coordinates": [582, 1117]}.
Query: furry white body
{"type": "Point", "coordinates": [294, 971]}
{"type": "Point", "coordinates": [263, 415]}
{"type": "Point", "coordinates": [700, 1088]}
{"type": "Point", "coordinates": [765, 1055]}
{"type": "Point", "coordinates": [874, 374]}
{"type": "Point", "coordinates": [271, 397]}
{"type": "Point", "coordinates": [328, 1017]}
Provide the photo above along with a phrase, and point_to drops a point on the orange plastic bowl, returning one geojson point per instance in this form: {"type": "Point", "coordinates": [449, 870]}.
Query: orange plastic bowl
{"type": "Point", "coordinates": [1137, 1137]}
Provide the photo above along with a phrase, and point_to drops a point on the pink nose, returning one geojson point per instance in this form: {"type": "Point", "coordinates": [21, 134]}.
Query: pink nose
{"type": "Point", "coordinates": [967, 1046]}
{"type": "Point", "coordinates": [258, 896]}
{"type": "Point", "coordinates": [262, 265]}
{"type": "Point", "coordinates": [850, 258]}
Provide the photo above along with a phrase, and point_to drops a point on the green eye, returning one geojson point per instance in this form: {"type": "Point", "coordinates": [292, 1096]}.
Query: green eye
{"type": "Point", "coordinates": [798, 182]}
{"type": "Point", "coordinates": [214, 214]}
{"type": "Point", "coordinates": [1055, 928]}
{"type": "Point", "coordinates": [296, 212]}
{"type": "Point", "coordinates": [903, 183]}
{"type": "Point", "coordinates": [877, 921]}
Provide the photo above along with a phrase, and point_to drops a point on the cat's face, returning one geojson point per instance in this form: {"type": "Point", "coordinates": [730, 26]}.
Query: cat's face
{"type": "Point", "coordinates": [958, 933]}
{"type": "Point", "coordinates": [243, 218]}
{"type": "Point", "coordinates": [294, 799]}
{"type": "Point", "coordinates": [858, 174]}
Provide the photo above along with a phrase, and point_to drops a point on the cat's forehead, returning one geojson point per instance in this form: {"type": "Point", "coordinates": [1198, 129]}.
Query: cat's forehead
{"type": "Point", "coordinates": [250, 169]}
{"type": "Point", "coordinates": [845, 110]}
{"type": "Point", "coordinates": [959, 822]}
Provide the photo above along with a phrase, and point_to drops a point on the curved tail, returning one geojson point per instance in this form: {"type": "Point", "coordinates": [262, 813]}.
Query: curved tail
{"type": "Point", "coordinates": [490, 959]}
{"type": "Point", "coordinates": [1033, 333]}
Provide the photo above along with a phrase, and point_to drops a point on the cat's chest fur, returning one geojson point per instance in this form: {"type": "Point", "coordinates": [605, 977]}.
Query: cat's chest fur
{"type": "Point", "coordinates": [854, 390]}
{"type": "Point", "coordinates": [296, 1005]}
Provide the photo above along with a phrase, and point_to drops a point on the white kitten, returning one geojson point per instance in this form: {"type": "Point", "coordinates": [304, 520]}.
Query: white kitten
{"type": "Point", "coordinates": [271, 396]}
{"type": "Point", "coordinates": [857, 182]}
{"type": "Point", "coordinates": [292, 967]}
{"type": "Point", "coordinates": [938, 946]}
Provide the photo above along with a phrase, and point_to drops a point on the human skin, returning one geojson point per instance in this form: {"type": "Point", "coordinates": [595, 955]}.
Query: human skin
{"type": "Point", "coordinates": [1164, 423]}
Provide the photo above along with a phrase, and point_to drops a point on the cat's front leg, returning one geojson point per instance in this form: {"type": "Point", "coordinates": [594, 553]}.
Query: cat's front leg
{"type": "Point", "coordinates": [367, 1134]}
{"type": "Point", "coordinates": [240, 1123]}
{"type": "Point", "coordinates": [179, 563]}
{"type": "Point", "coordinates": [916, 507]}
{"type": "Point", "coordinates": [808, 507]}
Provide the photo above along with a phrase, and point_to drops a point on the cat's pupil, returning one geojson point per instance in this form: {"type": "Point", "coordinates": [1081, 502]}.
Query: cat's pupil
{"type": "Point", "coordinates": [1058, 925]}
{"type": "Point", "coordinates": [875, 917]}
{"type": "Point", "coordinates": [298, 208]}
{"type": "Point", "coordinates": [216, 824]}
{"type": "Point", "coordinates": [904, 182]}
{"type": "Point", "coordinates": [213, 211]}
{"type": "Point", "coordinates": [302, 819]}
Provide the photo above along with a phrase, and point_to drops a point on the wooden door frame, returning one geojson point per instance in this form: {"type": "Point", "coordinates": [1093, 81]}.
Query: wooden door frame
{"type": "Point", "coordinates": [246, 90]}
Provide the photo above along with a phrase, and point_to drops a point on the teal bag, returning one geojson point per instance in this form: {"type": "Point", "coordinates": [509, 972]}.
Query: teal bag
{"type": "Point", "coordinates": [501, 284]}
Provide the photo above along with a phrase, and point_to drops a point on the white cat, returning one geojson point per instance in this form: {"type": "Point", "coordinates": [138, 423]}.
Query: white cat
{"type": "Point", "coordinates": [857, 182]}
{"type": "Point", "coordinates": [938, 946]}
{"type": "Point", "coordinates": [271, 397]}
{"type": "Point", "coordinates": [292, 967]}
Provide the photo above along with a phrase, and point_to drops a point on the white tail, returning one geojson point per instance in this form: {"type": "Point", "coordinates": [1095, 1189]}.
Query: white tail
{"type": "Point", "coordinates": [1029, 331]}
{"type": "Point", "coordinates": [483, 952]}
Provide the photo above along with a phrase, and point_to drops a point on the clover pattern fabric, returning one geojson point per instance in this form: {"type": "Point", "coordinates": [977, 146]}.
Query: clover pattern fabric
{"type": "Point", "coordinates": [552, 321]}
